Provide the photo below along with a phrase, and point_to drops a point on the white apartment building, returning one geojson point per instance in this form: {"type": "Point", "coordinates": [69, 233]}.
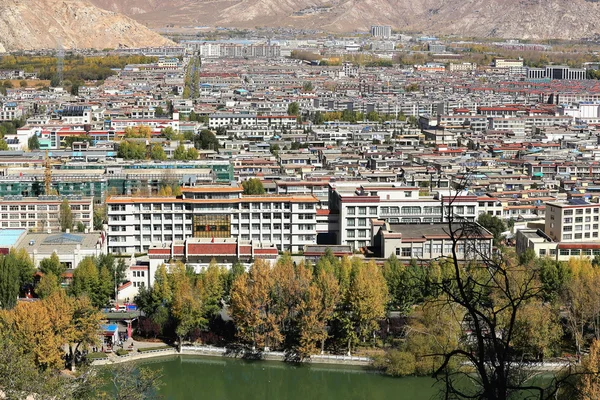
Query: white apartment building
{"type": "Point", "coordinates": [136, 223]}
{"type": "Point", "coordinates": [382, 31]}
{"type": "Point", "coordinates": [42, 213]}
{"type": "Point", "coordinates": [10, 111]}
{"type": "Point", "coordinates": [353, 207]}
{"type": "Point", "coordinates": [226, 119]}
{"type": "Point", "coordinates": [573, 221]}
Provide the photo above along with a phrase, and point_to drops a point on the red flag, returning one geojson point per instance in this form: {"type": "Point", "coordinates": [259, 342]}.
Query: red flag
{"type": "Point", "coordinates": [213, 239]}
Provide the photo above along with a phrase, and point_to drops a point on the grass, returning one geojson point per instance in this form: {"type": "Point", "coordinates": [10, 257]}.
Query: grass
{"type": "Point", "coordinates": [122, 352]}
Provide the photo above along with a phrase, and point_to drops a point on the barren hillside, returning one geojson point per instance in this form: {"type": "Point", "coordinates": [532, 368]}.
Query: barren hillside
{"type": "Point", "coordinates": [527, 19]}
{"type": "Point", "coordinates": [37, 24]}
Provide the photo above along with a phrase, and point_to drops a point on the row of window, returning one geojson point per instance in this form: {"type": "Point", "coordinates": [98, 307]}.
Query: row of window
{"type": "Point", "coordinates": [436, 248]}
{"type": "Point", "coordinates": [570, 236]}
{"type": "Point", "coordinates": [42, 207]}
{"type": "Point", "coordinates": [578, 220]}
{"type": "Point", "coordinates": [580, 211]}
{"type": "Point", "coordinates": [579, 228]}
{"type": "Point", "coordinates": [362, 211]}
{"type": "Point", "coordinates": [180, 207]}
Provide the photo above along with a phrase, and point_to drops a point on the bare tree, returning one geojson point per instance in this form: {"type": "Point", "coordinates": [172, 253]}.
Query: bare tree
{"type": "Point", "coordinates": [491, 290]}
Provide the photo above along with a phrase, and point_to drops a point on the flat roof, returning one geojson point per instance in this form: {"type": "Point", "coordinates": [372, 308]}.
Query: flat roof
{"type": "Point", "coordinates": [9, 237]}
{"type": "Point", "coordinates": [46, 243]}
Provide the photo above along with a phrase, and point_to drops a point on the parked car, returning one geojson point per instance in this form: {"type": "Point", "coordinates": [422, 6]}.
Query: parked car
{"type": "Point", "coordinates": [118, 308]}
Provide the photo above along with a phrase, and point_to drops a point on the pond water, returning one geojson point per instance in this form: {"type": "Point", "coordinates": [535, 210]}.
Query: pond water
{"type": "Point", "coordinates": [196, 377]}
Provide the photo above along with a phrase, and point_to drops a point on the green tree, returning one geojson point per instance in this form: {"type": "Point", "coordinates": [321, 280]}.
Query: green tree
{"type": "Point", "coordinates": [192, 154]}
{"type": "Point", "coordinates": [157, 153]}
{"type": "Point", "coordinates": [253, 186]}
{"type": "Point", "coordinates": [33, 143]}
{"type": "Point", "coordinates": [493, 224]}
{"type": "Point", "coordinates": [186, 306]}
{"type": "Point", "coordinates": [85, 279]}
{"type": "Point", "coordinates": [65, 215]}
{"type": "Point", "coordinates": [10, 281]}
{"type": "Point", "coordinates": [3, 145]}
{"type": "Point", "coordinates": [129, 150]}
{"type": "Point", "coordinates": [180, 153]}
{"type": "Point", "coordinates": [158, 111]}
{"type": "Point", "coordinates": [47, 285]}
{"type": "Point", "coordinates": [54, 266]}
{"type": "Point", "coordinates": [206, 140]}
{"type": "Point", "coordinates": [293, 109]}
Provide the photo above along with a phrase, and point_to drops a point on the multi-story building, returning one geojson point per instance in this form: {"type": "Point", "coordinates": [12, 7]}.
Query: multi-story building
{"type": "Point", "coordinates": [42, 213]}
{"type": "Point", "coordinates": [136, 223]}
{"type": "Point", "coordinates": [556, 72]}
{"type": "Point", "coordinates": [572, 221]}
{"type": "Point", "coordinates": [424, 242]}
{"type": "Point", "coordinates": [353, 206]}
{"type": "Point", "coordinates": [10, 111]}
{"type": "Point", "coordinates": [382, 31]}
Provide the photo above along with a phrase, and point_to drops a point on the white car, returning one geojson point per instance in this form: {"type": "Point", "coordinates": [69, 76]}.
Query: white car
{"type": "Point", "coordinates": [118, 309]}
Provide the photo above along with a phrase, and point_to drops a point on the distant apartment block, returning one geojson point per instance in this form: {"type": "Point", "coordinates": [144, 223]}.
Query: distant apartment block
{"type": "Point", "coordinates": [10, 111]}
{"type": "Point", "coordinates": [381, 31]}
{"type": "Point", "coordinates": [507, 63]}
{"type": "Point", "coordinates": [556, 72]}
{"type": "Point", "coordinates": [436, 48]}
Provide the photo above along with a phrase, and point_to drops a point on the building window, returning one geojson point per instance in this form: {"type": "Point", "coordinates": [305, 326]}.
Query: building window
{"type": "Point", "coordinates": [407, 251]}
{"type": "Point", "coordinates": [351, 211]}
{"type": "Point", "coordinates": [350, 233]}
{"type": "Point", "coordinates": [408, 194]}
{"type": "Point", "coordinates": [567, 236]}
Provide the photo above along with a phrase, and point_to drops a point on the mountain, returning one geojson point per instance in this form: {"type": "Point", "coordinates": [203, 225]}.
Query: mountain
{"type": "Point", "coordinates": [524, 19]}
{"type": "Point", "coordinates": [39, 24]}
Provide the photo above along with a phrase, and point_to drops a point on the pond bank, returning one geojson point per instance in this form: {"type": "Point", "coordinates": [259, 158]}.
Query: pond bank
{"type": "Point", "coordinates": [212, 351]}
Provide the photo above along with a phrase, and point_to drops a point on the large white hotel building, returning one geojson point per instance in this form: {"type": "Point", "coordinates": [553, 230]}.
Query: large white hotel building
{"type": "Point", "coordinates": [136, 223]}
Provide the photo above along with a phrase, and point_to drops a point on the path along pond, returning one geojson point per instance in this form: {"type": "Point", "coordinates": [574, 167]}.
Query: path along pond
{"type": "Point", "coordinates": [211, 378]}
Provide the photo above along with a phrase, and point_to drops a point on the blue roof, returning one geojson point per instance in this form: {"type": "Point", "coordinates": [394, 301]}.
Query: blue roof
{"type": "Point", "coordinates": [8, 237]}
{"type": "Point", "coordinates": [110, 328]}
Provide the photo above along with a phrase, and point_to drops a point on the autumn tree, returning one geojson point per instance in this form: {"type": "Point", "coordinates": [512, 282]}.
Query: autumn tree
{"type": "Point", "coordinates": [186, 306]}
{"type": "Point", "coordinates": [252, 307]}
{"type": "Point", "coordinates": [582, 300]}
{"type": "Point", "coordinates": [211, 288]}
{"type": "Point", "coordinates": [367, 298]}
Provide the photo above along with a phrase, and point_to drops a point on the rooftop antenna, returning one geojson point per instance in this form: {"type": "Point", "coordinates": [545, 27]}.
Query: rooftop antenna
{"type": "Point", "coordinates": [60, 61]}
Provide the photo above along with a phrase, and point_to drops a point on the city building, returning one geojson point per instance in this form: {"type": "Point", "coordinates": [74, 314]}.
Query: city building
{"type": "Point", "coordinates": [41, 214]}
{"type": "Point", "coordinates": [556, 72]}
{"type": "Point", "coordinates": [425, 242]}
{"type": "Point", "coordinates": [135, 224]}
{"type": "Point", "coordinates": [574, 221]}
{"type": "Point", "coordinates": [381, 31]}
